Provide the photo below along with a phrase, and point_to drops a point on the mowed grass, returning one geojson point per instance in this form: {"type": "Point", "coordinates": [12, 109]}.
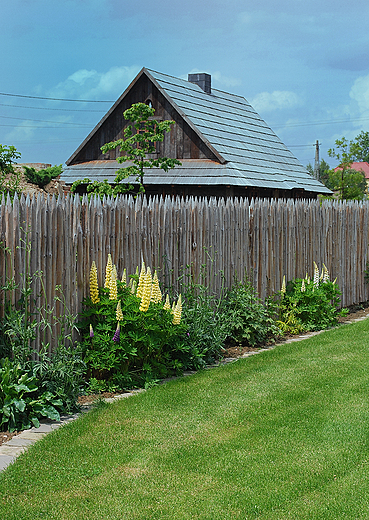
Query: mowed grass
{"type": "Point", "coordinates": [280, 435]}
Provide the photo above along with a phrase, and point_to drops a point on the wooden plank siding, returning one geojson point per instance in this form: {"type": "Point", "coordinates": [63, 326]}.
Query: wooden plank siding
{"type": "Point", "coordinates": [181, 142]}
{"type": "Point", "coordinates": [262, 239]}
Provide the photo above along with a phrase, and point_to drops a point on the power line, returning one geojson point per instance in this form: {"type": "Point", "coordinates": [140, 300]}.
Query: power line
{"type": "Point", "coordinates": [56, 99]}
{"type": "Point", "coordinates": [43, 121]}
{"type": "Point", "coordinates": [299, 145]}
{"type": "Point", "coordinates": [49, 108]}
{"type": "Point", "coordinates": [315, 123]}
{"type": "Point", "coordinates": [45, 127]}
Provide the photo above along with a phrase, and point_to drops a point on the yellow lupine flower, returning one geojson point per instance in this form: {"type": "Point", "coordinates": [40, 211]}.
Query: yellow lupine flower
{"type": "Point", "coordinates": [133, 286]}
{"type": "Point", "coordinates": [109, 267]}
{"type": "Point", "coordinates": [146, 296]}
{"type": "Point", "coordinates": [141, 281]}
{"type": "Point", "coordinates": [156, 295]}
{"type": "Point", "coordinates": [119, 313]}
{"type": "Point", "coordinates": [303, 288]}
{"type": "Point", "coordinates": [283, 289]}
{"type": "Point", "coordinates": [178, 311]}
{"type": "Point", "coordinates": [94, 286]}
{"type": "Point", "coordinates": [316, 275]}
{"type": "Point", "coordinates": [326, 274]}
{"type": "Point", "coordinates": [124, 277]}
{"type": "Point", "coordinates": [167, 303]}
{"type": "Point", "coordinates": [113, 289]}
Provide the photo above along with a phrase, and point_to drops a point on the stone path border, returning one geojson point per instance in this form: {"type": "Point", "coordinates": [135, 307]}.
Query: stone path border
{"type": "Point", "coordinates": [10, 450]}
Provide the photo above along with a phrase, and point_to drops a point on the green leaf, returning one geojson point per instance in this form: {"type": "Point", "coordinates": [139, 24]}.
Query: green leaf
{"type": "Point", "coordinates": [19, 404]}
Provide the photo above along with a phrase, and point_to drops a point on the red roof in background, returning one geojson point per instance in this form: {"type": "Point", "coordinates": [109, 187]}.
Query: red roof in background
{"type": "Point", "coordinates": [359, 166]}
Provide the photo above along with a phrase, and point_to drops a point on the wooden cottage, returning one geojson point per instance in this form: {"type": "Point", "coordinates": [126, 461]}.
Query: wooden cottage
{"type": "Point", "coordinates": [226, 149]}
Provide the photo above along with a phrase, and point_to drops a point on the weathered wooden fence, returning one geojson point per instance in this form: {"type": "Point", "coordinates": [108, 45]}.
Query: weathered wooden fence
{"type": "Point", "coordinates": [266, 239]}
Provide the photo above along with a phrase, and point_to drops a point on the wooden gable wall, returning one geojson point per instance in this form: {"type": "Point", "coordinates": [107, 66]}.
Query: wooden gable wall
{"type": "Point", "coordinates": [181, 142]}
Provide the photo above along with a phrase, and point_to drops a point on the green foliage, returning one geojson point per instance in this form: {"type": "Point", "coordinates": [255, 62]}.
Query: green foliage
{"type": "Point", "coordinates": [18, 327]}
{"type": "Point", "coordinates": [350, 183]}
{"type": "Point", "coordinates": [247, 320]}
{"type": "Point", "coordinates": [137, 350]}
{"type": "Point", "coordinates": [206, 332]}
{"type": "Point", "coordinates": [309, 305]}
{"type": "Point", "coordinates": [359, 147]}
{"type": "Point", "coordinates": [42, 177]}
{"type": "Point", "coordinates": [94, 187]}
{"type": "Point", "coordinates": [59, 373]}
{"type": "Point", "coordinates": [21, 405]}
{"type": "Point", "coordinates": [96, 386]}
{"type": "Point", "coordinates": [324, 170]}
{"type": "Point", "coordinates": [9, 178]}
{"type": "Point", "coordinates": [140, 138]}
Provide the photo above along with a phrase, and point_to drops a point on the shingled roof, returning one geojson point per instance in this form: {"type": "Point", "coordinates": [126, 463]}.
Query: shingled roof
{"type": "Point", "coordinates": [246, 152]}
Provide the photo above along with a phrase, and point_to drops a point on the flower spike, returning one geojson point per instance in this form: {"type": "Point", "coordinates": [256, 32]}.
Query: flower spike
{"type": "Point", "coordinates": [94, 286]}
{"type": "Point", "coordinates": [108, 270]}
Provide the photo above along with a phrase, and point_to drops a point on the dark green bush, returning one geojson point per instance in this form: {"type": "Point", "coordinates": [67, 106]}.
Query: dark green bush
{"type": "Point", "coordinates": [247, 320]}
{"type": "Point", "coordinates": [42, 177]}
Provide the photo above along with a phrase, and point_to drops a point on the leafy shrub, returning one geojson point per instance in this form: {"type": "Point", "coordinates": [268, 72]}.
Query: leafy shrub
{"type": "Point", "coordinates": [128, 335]}
{"type": "Point", "coordinates": [246, 318]}
{"type": "Point", "coordinates": [62, 374]}
{"type": "Point", "coordinates": [43, 176]}
{"type": "Point", "coordinates": [21, 405]}
{"type": "Point", "coordinates": [309, 304]}
{"type": "Point", "coordinates": [206, 333]}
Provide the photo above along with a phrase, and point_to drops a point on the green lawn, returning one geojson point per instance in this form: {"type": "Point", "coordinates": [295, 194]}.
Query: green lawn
{"type": "Point", "coordinates": [280, 435]}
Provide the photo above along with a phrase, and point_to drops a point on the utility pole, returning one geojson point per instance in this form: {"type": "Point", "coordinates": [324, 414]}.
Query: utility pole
{"type": "Point", "coordinates": [316, 163]}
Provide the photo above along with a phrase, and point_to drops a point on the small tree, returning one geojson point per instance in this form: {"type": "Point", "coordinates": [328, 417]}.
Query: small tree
{"type": "Point", "coordinates": [9, 178]}
{"type": "Point", "coordinates": [349, 182]}
{"type": "Point", "coordinates": [140, 138]}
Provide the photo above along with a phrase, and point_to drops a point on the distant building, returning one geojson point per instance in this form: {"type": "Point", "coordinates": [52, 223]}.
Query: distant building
{"type": "Point", "coordinates": [226, 149]}
{"type": "Point", "coordinates": [359, 166]}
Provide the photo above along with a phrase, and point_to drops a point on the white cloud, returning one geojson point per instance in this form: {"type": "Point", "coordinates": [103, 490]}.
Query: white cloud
{"type": "Point", "coordinates": [279, 99]}
{"type": "Point", "coordinates": [90, 84]}
{"type": "Point", "coordinates": [360, 93]}
{"type": "Point", "coordinates": [22, 132]}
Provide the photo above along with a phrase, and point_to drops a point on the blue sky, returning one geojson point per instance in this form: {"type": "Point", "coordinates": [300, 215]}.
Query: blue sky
{"type": "Point", "coordinates": [304, 66]}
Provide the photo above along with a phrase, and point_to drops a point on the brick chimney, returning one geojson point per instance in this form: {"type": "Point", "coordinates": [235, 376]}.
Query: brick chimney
{"type": "Point", "coordinates": [202, 80]}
